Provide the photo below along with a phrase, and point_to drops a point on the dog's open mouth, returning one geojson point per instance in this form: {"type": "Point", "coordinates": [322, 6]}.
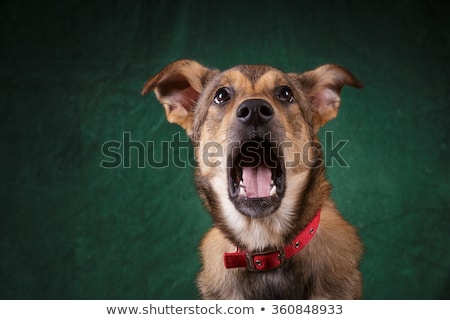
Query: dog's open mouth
{"type": "Point", "coordinates": [256, 178]}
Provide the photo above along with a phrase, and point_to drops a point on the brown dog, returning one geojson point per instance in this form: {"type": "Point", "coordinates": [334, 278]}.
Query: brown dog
{"type": "Point", "coordinates": [277, 233]}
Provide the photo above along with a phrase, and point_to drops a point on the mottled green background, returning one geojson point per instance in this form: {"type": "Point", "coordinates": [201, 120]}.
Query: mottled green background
{"type": "Point", "coordinates": [70, 76]}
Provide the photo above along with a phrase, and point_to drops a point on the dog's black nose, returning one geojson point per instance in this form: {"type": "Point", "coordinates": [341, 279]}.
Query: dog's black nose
{"type": "Point", "coordinates": [254, 111]}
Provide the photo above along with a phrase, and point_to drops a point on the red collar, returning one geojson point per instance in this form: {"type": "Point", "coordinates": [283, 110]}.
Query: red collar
{"type": "Point", "coordinates": [268, 260]}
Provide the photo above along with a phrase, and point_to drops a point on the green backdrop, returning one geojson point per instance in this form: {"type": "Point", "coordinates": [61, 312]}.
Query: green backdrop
{"type": "Point", "coordinates": [71, 73]}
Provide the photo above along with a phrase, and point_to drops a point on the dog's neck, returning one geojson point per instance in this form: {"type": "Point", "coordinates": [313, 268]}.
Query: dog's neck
{"type": "Point", "coordinates": [273, 259]}
{"type": "Point", "coordinates": [315, 193]}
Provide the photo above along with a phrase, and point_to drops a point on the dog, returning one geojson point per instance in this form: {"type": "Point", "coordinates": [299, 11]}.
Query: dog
{"type": "Point", "coordinates": [260, 173]}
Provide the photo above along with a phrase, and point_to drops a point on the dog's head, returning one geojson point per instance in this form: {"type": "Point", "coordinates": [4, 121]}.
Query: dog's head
{"type": "Point", "coordinates": [254, 129]}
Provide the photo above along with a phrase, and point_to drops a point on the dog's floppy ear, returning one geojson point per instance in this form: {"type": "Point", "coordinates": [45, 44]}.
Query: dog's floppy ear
{"type": "Point", "coordinates": [322, 87]}
{"type": "Point", "coordinates": [178, 87]}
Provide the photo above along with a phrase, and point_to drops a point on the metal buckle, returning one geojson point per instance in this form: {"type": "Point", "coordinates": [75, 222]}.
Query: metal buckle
{"type": "Point", "coordinates": [281, 256]}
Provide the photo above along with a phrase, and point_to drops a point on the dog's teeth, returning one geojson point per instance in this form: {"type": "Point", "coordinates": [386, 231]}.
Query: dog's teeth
{"type": "Point", "coordinates": [242, 191]}
{"type": "Point", "coordinates": [273, 191]}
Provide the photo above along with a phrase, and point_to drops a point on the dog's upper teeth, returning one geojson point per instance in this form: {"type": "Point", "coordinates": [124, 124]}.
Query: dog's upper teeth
{"type": "Point", "coordinates": [273, 191]}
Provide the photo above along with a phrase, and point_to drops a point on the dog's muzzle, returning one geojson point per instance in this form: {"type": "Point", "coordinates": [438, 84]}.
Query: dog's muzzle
{"type": "Point", "coordinates": [256, 172]}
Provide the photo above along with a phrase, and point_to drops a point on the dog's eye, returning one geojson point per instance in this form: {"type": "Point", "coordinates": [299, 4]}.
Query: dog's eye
{"type": "Point", "coordinates": [284, 94]}
{"type": "Point", "coordinates": [222, 95]}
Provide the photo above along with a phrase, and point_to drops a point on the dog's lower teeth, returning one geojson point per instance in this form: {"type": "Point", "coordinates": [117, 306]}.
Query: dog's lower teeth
{"type": "Point", "coordinates": [273, 191]}
{"type": "Point", "coordinates": [242, 191]}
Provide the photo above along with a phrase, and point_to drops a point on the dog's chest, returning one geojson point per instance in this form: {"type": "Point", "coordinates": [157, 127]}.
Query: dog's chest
{"type": "Point", "coordinates": [275, 284]}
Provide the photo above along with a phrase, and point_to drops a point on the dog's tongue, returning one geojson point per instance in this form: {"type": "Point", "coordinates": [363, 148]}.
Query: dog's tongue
{"type": "Point", "coordinates": [257, 181]}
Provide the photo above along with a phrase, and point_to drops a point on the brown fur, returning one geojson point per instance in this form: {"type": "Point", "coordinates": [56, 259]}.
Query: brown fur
{"type": "Point", "coordinates": [327, 268]}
